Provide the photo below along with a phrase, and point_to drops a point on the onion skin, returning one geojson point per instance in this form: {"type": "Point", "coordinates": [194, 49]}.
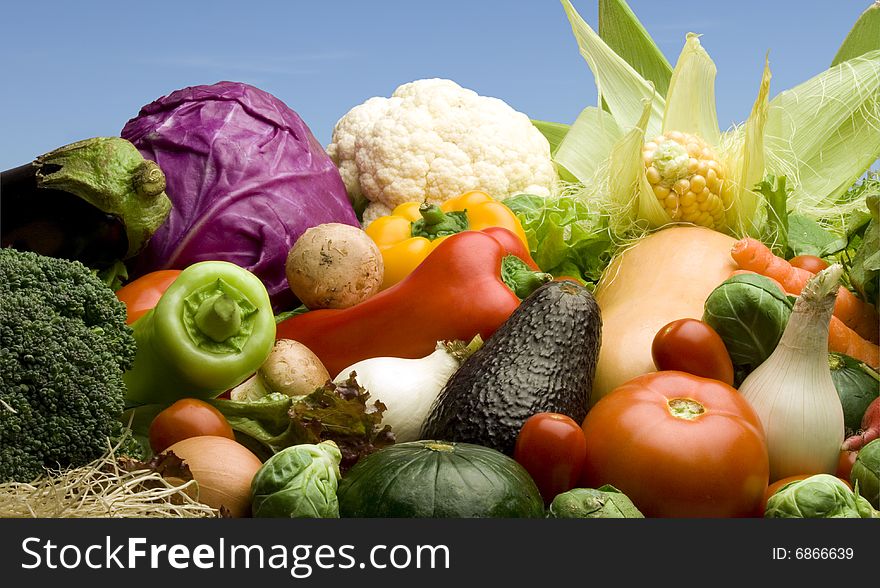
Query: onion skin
{"type": "Point", "coordinates": [223, 469]}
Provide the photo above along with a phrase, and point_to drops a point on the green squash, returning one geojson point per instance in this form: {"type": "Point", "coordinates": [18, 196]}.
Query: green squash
{"type": "Point", "coordinates": [438, 479]}
{"type": "Point", "coordinates": [856, 384]}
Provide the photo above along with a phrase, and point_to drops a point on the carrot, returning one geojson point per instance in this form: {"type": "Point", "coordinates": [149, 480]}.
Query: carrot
{"type": "Point", "coordinates": [844, 340]}
{"type": "Point", "coordinates": [860, 316]}
{"type": "Point", "coordinates": [775, 281]}
{"type": "Point", "coordinates": [841, 338]}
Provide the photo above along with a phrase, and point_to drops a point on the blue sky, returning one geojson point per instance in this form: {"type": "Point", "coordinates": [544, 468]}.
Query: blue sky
{"type": "Point", "coordinates": [73, 70]}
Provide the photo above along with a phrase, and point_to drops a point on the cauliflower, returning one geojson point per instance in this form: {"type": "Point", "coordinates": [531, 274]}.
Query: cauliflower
{"type": "Point", "coordinates": [433, 140]}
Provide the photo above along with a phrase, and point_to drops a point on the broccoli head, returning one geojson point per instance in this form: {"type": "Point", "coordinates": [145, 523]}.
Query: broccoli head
{"type": "Point", "coordinates": [64, 346]}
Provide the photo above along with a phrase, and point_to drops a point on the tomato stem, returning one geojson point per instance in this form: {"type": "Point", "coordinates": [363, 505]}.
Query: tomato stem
{"type": "Point", "coordinates": [685, 408]}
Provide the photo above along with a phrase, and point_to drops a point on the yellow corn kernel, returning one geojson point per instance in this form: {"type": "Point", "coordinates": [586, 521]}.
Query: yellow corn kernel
{"type": "Point", "coordinates": [687, 179]}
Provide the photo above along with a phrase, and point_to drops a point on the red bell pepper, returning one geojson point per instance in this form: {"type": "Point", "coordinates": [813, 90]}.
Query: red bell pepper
{"type": "Point", "coordinates": [468, 285]}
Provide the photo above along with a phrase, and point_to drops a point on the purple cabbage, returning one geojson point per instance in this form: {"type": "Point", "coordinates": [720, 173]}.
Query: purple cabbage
{"type": "Point", "coordinates": [246, 178]}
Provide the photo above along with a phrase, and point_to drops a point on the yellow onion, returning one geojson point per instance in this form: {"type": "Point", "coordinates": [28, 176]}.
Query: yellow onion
{"type": "Point", "coordinates": [223, 470]}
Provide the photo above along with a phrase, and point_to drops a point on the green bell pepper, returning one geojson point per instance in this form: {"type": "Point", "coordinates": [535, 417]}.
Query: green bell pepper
{"type": "Point", "coordinates": [211, 329]}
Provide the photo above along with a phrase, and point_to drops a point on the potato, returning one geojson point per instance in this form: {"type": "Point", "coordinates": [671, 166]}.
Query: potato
{"type": "Point", "coordinates": [334, 265]}
{"type": "Point", "coordinates": [293, 369]}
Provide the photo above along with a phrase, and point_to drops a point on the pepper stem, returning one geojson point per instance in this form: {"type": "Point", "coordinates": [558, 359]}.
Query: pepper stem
{"type": "Point", "coordinates": [218, 318]}
{"type": "Point", "coordinates": [520, 278]}
{"type": "Point", "coordinates": [436, 223]}
{"type": "Point", "coordinates": [432, 214]}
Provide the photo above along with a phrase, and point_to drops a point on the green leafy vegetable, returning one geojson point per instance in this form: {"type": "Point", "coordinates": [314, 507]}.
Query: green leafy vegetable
{"type": "Point", "coordinates": [819, 496]}
{"type": "Point", "coordinates": [749, 312]}
{"type": "Point", "coordinates": [565, 237]}
{"type": "Point", "coordinates": [775, 233]}
{"type": "Point", "coordinates": [864, 272]}
{"type": "Point", "coordinates": [339, 412]}
{"type": "Point", "coordinates": [166, 464]}
{"type": "Point", "coordinates": [807, 237]}
{"type": "Point", "coordinates": [298, 482]}
{"type": "Point", "coordinates": [789, 233]}
{"type": "Point", "coordinates": [286, 314]}
{"type": "Point", "coordinates": [866, 472]}
{"type": "Point", "coordinates": [857, 384]}
{"type": "Point", "coordinates": [606, 502]}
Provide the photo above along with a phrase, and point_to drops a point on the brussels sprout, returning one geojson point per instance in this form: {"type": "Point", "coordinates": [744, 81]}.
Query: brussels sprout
{"type": "Point", "coordinates": [607, 502]}
{"type": "Point", "coordinates": [866, 472]}
{"type": "Point", "coordinates": [865, 509]}
{"type": "Point", "coordinates": [749, 312]}
{"type": "Point", "coordinates": [817, 497]}
{"type": "Point", "coordinates": [298, 482]}
{"type": "Point", "coordinates": [856, 384]}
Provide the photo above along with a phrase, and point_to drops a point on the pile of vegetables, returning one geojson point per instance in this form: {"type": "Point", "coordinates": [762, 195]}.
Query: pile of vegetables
{"type": "Point", "coordinates": [453, 310]}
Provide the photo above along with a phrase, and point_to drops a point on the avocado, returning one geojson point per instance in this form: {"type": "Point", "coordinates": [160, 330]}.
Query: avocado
{"type": "Point", "coordinates": [542, 359]}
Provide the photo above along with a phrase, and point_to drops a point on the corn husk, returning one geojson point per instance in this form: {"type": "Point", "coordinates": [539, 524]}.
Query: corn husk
{"type": "Point", "coordinates": [622, 88]}
{"type": "Point", "coordinates": [822, 135]}
{"type": "Point", "coordinates": [621, 30]}
{"type": "Point", "coordinates": [863, 37]}
{"type": "Point", "coordinates": [825, 133]}
{"type": "Point", "coordinates": [585, 149]}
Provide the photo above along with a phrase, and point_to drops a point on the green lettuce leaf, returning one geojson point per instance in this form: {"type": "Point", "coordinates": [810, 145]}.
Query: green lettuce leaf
{"type": "Point", "coordinates": [336, 412]}
{"type": "Point", "coordinates": [864, 271]}
{"type": "Point", "coordinates": [566, 238]}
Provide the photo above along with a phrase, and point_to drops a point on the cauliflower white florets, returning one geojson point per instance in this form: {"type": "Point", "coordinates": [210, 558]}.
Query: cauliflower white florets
{"type": "Point", "coordinates": [433, 140]}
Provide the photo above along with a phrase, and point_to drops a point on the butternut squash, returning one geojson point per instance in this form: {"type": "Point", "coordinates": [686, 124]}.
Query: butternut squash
{"type": "Point", "coordinates": [663, 277]}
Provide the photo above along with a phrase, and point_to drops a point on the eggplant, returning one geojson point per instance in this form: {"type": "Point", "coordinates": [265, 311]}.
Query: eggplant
{"type": "Point", "coordinates": [97, 201]}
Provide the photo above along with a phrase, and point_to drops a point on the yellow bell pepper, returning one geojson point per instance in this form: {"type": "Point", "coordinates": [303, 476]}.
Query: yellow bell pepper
{"type": "Point", "coordinates": [414, 229]}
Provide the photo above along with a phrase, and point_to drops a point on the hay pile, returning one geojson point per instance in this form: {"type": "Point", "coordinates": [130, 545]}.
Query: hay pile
{"type": "Point", "coordinates": [109, 487]}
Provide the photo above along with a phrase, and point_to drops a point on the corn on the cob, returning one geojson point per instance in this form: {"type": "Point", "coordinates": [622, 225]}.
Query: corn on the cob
{"type": "Point", "coordinates": [688, 179]}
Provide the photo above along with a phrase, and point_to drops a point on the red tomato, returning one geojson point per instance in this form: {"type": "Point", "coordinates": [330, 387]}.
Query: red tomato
{"type": "Point", "coordinates": [679, 446]}
{"type": "Point", "coordinates": [142, 294]}
{"type": "Point", "coordinates": [692, 346]}
{"type": "Point", "coordinates": [845, 463]}
{"type": "Point", "coordinates": [188, 417]}
{"type": "Point", "coordinates": [551, 447]}
{"type": "Point", "coordinates": [811, 263]}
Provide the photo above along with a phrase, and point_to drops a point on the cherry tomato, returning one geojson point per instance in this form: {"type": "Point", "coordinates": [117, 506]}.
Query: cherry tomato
{"type": "Point", "coordinates": [142, 294]}
{"type": "Point", "coordinates": [692, 346]}
{"type": "Point", "coordinates": [811, 263]}
{"type": "Point", "coordinates": [678, 445]}
{"type": "Point", "coordinates": [551, 447]}
{"type": "Point", "coordinates": [845, 463]}
{"type": "Point", "coordinates": [188, 417]}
